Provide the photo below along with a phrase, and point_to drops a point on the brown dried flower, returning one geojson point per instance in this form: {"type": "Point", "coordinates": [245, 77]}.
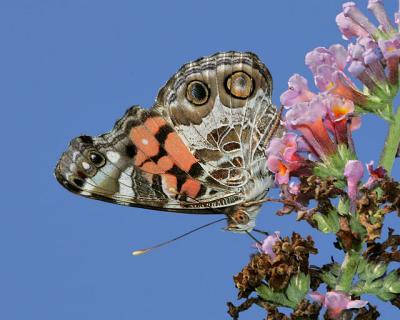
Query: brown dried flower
{"type": "Point", "coordinates": [306, 310]}
{"type": "Point", "coordinates": [378, 251]}
{"type": "Point", "coordinates": [291, 256]}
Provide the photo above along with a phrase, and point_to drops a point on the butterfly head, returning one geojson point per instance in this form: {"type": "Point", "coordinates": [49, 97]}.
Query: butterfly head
{"type": "Point", "coordinates": [242, 219]}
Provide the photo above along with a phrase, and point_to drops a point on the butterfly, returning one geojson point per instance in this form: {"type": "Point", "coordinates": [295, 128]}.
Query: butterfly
{"type": "Point", "coordinates": [199, 149]}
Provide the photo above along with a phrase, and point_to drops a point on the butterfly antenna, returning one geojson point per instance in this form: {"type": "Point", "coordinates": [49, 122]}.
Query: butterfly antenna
{"type": "Point", "coordinates": [265, 233]}
{"type": "Point", "coordinates": [253, 237]}
{"type": "Point", "coordinates": [143, 251]}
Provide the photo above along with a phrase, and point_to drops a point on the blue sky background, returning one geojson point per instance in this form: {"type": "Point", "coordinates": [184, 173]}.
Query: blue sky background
{"type": "Point", "coordinates": [74, 67]}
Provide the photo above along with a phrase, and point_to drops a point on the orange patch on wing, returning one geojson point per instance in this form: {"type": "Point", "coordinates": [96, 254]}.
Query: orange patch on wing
{"type": "Point", "coordinates": [145, 141]}
{"type": "Point", "coordinates": [140, 157]}
{"type": "Point", "coordinates": [191, 188]}
{"type": "Point", "coordinates": [165, 163]}
{"type": "Point", "coordinates": [170, 183]}
{"type": "Point", "coordinates": [154, 124]}
{"type": "Point", "coordinates": [183, 158]}
{"type": "Point", "coordinates": [151, 167]}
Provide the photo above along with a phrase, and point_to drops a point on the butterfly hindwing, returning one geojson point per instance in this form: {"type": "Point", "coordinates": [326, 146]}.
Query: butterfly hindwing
{"type": "Point", "coordinates": [141, 162]}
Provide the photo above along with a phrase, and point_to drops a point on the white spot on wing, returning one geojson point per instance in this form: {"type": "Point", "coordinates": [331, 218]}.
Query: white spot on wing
{"type": "Point", "coordinates": [86, 165]}
{"type": "Point", "coordinates": [125, 182]}
{"type": "Point", "coordinates": [145, 141]}
{"type": "Point", "coordinates": [113, 156]}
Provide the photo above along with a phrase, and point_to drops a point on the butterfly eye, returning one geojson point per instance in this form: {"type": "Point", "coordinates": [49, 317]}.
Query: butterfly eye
{"type": "Point", "coordinates": [239, 85]}
{"type": "Point", "coordinates": [97, 159]}
{"type": "Point", "coordinates": [197, 93]}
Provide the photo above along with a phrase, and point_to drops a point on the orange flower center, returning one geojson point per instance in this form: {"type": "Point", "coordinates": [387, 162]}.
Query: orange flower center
{"type": "Point", "coordinates": [391, 48]}
{"type": "Point", "coordinates": [339, 110]}
{"type": "Point", "coordinates": [329, 86]}
{"type": "Point", "coordinates": [282, 168]}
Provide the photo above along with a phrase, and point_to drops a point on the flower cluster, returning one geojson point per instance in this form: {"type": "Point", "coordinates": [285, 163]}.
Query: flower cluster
{"type": "Point", "coordinates": [315, 163]}
{"type": "Point", "coordinates": [318, 138]}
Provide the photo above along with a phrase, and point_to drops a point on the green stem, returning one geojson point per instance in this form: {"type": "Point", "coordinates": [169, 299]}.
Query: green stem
{"type": "Point", "coordinates": [348, 271]}
{"type": "Point", "coordinates": [391, 144]}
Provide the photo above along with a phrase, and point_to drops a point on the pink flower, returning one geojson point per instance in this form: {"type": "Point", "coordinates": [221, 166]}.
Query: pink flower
{"type": "Point", "coordinates": [308, 119]}
{"type": "Point", "coordinates": [283, 157]}
{"type": "Point", "coordinates": [294, 188]}
{"type": "Point", "coordinates": [390, 47]}
{"type": "Point", "coordinates": [334, 57]}
{"type": "Point", "coordinates": [379, 12]}
{"type": "Point", "coordinates": [365, 64]}
{"type": "Point", "coordinates": [386, 36]}
{"type": "Point", "coordinates": [348, 27]}
{"type": "Point", "coordinates": [340, 118]}
{"type": "Point", "coordinates": [339, 108]}
{"type": "Point", "coordinates": [332, 80]}
{"type": "Point", "coordinates": [298, 91]}
{"type": "Point", "coordinates": [375, 175]}
{"type": "Point", "coordinates": [353, 172]}
{"type": "Point", "coordinates": [391, 52]}
{"type": "Point", "coordinates": [336, 302]}
{"type": "Point", "coordinates": [351, 11]}
{"type": "Point", "coordinates": [268, 244]}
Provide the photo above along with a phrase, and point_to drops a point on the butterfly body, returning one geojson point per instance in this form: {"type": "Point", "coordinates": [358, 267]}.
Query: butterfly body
{"type": "Point", "coordinates": [199, 149]}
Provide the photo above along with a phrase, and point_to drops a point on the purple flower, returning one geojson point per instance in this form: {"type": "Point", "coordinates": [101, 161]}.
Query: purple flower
{"type": "Point", "coordinates": [390, 47]}
{"type": "Point", "coordinates": [379, 12]}
{"type": "Point", "coordinates": [353, 172]}
{"type": "Point", "coordinates": [294, 188]}
{"type": "Point", "coordinates": [298, 91]}
{"type": "Point", "coordinates": [340, 119]}
{"type": "Point", "coordinates": [334, 57]}
{"type": "Point", "coordinates": [375, 175]}
{"type": "Point", "coordinates": [283, 157]}
{"type": "Point", "coordinates": [386, 36]}
{"type": "Point", "coordinates": [268, 244]}
{"type": "Point", "coordinates": [336, 302]}
{"type": "Point", "coordinates": [365, 64]}
{"type": "Point", "coordinates": [348, 27]}
{"type": "Point", "coordinates": [351, 11]}
{"type": "Point", "coordinates": [308, 119]}
{"type": "Point", "coordinates": [391, 52]}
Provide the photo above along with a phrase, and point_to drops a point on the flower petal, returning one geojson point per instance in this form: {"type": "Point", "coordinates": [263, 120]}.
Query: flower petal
{"type": "Point", "coordinates": [356, 304]}
{"type": "Point", "coordinates": [317, 297]}
{"type": "Point", "coordinates": [268, 244]}
{"type": "Point", "coordinates": [353, 171]}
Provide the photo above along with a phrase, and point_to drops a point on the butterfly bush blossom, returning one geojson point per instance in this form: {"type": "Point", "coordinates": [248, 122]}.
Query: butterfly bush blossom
{"type": "Point", "coordinates": [321, 179]}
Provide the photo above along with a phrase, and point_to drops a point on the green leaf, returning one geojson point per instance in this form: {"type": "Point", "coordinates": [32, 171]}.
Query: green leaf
{"type": "Point", "coordinates": [335, 269]}
{"type": "Point", "coordinates": [356, 226]}
{"type": "Point", "coordinates": [329, 279]}
{"type": "Point", "coordinates": [327, 223]}
{"type": "Point", "coordinates": [276, 297]}
{"type": "Point", "coordinates": [358, 289]}
{"type": "Point", "coordinates": [391, 282]}
{"type": "Point", "coordinates": [386, 296]}
{"type": "Point", "coordinates": [375, 270]}
{"type": "Point", "coordinates": [374, 286]}
{"type": "Point", "coordinates": [361, 268]}
{"type": "Point", "coordinates": [298, 287]}
{"type": "Point", "coordinates": [333, 166]}
{"type": "Point", "coordinates": [344, 207]}
{"type": "Point", "coordinates": [330, 274]}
